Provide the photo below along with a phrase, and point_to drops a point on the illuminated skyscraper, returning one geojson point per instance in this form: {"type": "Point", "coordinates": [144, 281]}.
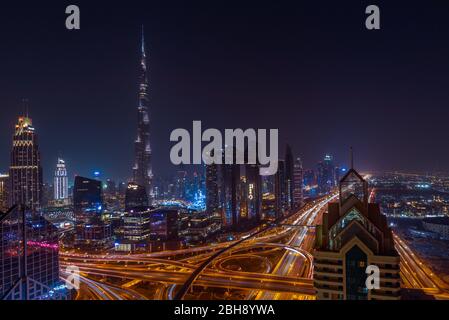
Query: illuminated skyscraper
{"type": "Point", "coordinates": [297, 183]}
{"type": "Point", "coordinates": [281, 190]}
{"type": "Point", "coordinates": [239, 192]}
{"type": "Point", "coordinates": [4, 192]}
{"type": "Point", "coordinates": [25, 171]}
{"type": "Point", "coordinates": [326, 175]}
{"type": "Point", "coordinates": [231, 194]}
{"type": "Point", "coordinates": [353, 236]}
{"type": "Point", "coordinates": [61, 182]}
{"type": "Point", "coordinates": [136, 197]}
{"type": "Point", "coordinates": [92, 226]}
{"type": "Point", "coordinates": [180, 183]}
{"type": "Point", "coordinates": [136, 221]}
{"type": "Point", "coordinates": [253, 191]}
{"type": "Point", "coordinates": [37, 248]}
{"type": "Point", "coordinates": [212, 190]}
{"type": "Point", "coordinates": [289, 179]}
{"type": "Point", "coordinates": [142, 170]}
{"type": "Point", "coordinates": [164, 224]}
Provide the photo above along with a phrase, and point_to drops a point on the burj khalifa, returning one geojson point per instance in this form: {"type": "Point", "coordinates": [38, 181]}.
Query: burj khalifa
{"type": "Point", "coordinates": [142, 170]}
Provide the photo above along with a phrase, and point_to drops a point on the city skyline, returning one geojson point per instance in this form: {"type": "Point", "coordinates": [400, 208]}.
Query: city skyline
{"type": "Point", "coordinates": [331, 181]}
{"type": "Point", "coordinates": [285, 66]}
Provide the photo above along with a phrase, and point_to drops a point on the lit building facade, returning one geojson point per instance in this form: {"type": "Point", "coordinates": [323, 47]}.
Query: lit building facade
{"type": "Point", "coordinates": [240, 194]}
{"type": "Point", "coordinates": [25, 172]}
{"type": "Point", "coordinates": [353, 236]}
{"type": "Point", "coordinates": [136, 221]}
{"type": "Point", "coordinates": [326, 175]}
{"type": "Point", "coordinates": [298, 179]}
{"type": "Point", "coordinates": [164, 224]}
{"type": "Point", "coordinates": [252, 192]}
{"type": "Point", "coordinates": [61, 182]}
{"type": "Point", "coordinates": [92, 225]}
{"type": "Point", "coordinates": [142, 170]}
{"type": "Point", "coordinates": [135, 197]}
{"type": "Point", "coordinates": [4, 192]}
{"type": "Point", "coordinates": [280, 187]}
{"type": "Point", "coordinates": [289, 178]}
{"type": "Point", "coordinates": [40, 279]}
{"type": "Point", "coordinates": [213, 206]}
{"type": "Point", "coordinates": [231, 194]}
{"type": "Point", "coordinates": [200, 226]}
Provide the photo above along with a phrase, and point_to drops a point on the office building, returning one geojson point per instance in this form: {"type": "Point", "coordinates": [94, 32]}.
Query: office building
{"type": "Point", "coordinates": [326, 175]}
{"type": "Point", "coordinates": [213, 205]}
{"type": "Point", "coordinates": [61, 182]}
{"type": "Point", "coordinates": [353, 236]}
{"type": "Point", "coordinates": [25, 172]}
{"type": "Point", "coordinates": [298, 178]}
{"type": "Point", "coordinates": [135, 197]}
{"type": "Point", "coordinates": [4, 192]}
{"type": "Point", "coordinates": [142, 170]}
{"type": "Point", "coordinates": [92, 226]}
{"type": "Point", "coordinates": [281, 190]}
{"type": "Point", "coordinates": [164, 224]}
{"type": "Point", "coordinates": [34, 245]}
{"type": "Point", "coordinates": [289, 178]}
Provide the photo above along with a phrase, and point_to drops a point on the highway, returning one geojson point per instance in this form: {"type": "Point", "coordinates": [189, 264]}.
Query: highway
{"type": "Point", "coordinates": [115, 277]}
{"type": "Point", "coordinates": [157, 268]}
{"type": "Point", "coordinates": [295, 263]}
{"type": "Point", "coordinates": [416, 274]}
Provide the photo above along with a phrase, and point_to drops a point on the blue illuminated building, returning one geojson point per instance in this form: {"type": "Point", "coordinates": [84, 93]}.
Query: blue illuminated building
{"type": "Point", "coordinates": [92, 226]}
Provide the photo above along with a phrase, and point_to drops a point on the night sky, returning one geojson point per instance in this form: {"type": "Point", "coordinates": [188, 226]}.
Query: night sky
{"type": "Point", "coordinates": [309, 68]}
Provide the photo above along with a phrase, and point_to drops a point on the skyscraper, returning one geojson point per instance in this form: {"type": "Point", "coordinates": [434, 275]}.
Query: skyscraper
{"type": "Point", "coordinates": [181, 183]}
{"type": "Point", "coordinates": [289, 177]}
{"type": "Point", "coordinates": [231, 194]}
{"type": "Point", "coordinates": [92, 228]}
{"type": "Point", "coordinates": [142, 170]}
{"type": "Point", "coordinates": [4, 192]}
{"type": "Point", "coordinates": [136, 197]}
{"type": "Point", "coordinates": [326, 175]}
{"type": "Point", "coordinates": [61, 182]}
{"type": "Point", "coordinates": [164, 224]}
{"type": "Point", "coordinates": [25, 171]}
{"type": "Point", "coordinates": [136, 221]}
{"type": "Point", "coordinates": [212, 190]}
{"type": "Point", "coordinates": [297, 183]}
{"type": "Point", "coordinates": [280, 190]}
{"type": "Point", "coordinates": [355, 235]}
{"type": "Point", "coordinates": [33, 244]}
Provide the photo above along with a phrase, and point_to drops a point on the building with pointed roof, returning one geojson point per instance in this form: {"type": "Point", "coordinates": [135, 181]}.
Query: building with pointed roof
{"type": "Point", "coordinates": [142, 170]}
{"type": "Point", "coordinates": [354, 235]}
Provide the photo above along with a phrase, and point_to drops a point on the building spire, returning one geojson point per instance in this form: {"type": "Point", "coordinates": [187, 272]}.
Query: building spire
{"type": "Point", "coordinates": [25, 104]}
{"type": "Point", "coordinates": [143, 42]}
{"type": "Point", "coordinates": [142, 169]}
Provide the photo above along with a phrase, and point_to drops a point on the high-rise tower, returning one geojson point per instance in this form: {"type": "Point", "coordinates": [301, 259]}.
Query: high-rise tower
{"type": "Point", "coordinates": [61, 183]}
{"type": "Point", "coordinates": [4, 192]}
{"type": "Point", "coordinates": [326, 175]}
{"type": "Point", "coordinates": [289, 179]}
{"type": "Point", "coordinates": [355, 236]}
{"type": "Point", "coordinates": [25, 172]}
{"type": "Point", "coordinates": [297, 183]}
{"type": "Point", "coordinates": [142, 170]}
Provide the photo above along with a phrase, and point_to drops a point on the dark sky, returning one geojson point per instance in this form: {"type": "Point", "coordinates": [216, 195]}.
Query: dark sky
{"type": "Point", "coordinates": [309, 68]}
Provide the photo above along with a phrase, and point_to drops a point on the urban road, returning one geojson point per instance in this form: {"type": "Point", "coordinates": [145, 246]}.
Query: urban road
{"type": "Point", "coordinates": [186, 273]}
